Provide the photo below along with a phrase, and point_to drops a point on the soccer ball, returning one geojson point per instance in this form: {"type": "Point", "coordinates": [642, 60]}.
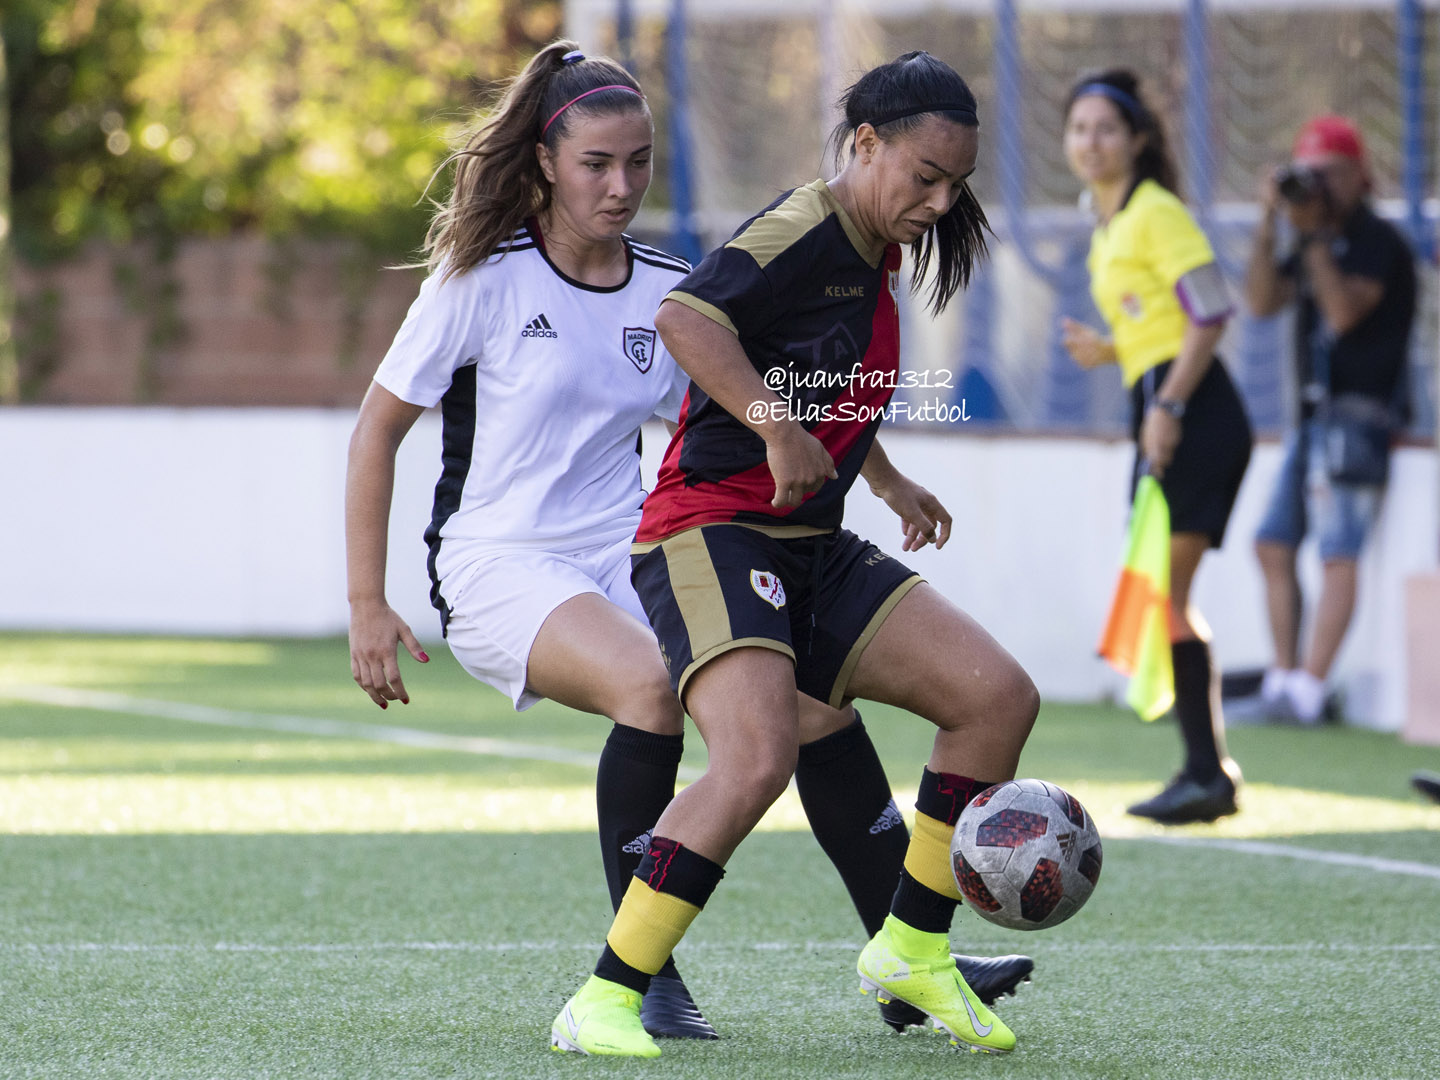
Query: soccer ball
{"type": "Point", "coordinates": [1026, 854]}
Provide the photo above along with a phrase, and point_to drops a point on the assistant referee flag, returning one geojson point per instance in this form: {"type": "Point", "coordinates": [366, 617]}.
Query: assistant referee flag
{"type": "Point", "coordinates": [1136, 641]}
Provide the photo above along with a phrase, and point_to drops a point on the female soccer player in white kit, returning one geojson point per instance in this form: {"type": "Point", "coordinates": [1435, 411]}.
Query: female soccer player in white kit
{"type": "Point", "coordinates": [535, 335]}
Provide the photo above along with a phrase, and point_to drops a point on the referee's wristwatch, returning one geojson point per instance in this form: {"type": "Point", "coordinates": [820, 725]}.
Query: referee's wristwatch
{"type": "Point", "coordinates": [1174, 406]}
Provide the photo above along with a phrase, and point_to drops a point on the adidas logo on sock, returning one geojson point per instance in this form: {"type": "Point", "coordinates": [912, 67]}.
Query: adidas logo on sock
{"type": "Point", "coordinates": [638, 846]}
{"type": "Point", "coordinates": [887, 820]}
{"type": "Point", "coordinates": [539, 327]}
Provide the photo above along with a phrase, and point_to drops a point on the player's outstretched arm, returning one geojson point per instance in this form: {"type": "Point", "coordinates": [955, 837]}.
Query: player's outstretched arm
{"type": "Point", "coordinates": [923, 519]}
{"type": "Point", "coordinates": [375, 628]}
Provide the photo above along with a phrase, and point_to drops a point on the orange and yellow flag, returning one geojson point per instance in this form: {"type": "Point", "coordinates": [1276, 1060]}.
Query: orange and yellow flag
{"type": "Point", "coordinates": [1136, 641]}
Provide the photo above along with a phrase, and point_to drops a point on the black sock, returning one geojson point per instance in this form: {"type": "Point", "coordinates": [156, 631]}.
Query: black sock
{"type": "Point", "coordinates": [941, 796]}
{"type": "Point", "coordinates": [634, 783]}
{"type": "Point", "coordinates": [1197, 708]}
{"type": "Point", "coordinates": [847, 800]}
{"type": "Point", "coordinates": [611, 967]}
{"type": "Point", "coordinates": [668, 867]}
{"type": "Point", "coordinates": [921, 907]}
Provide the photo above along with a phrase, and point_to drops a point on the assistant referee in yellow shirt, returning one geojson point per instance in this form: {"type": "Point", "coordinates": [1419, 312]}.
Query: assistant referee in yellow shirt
{"type": "Point", "coordinates": [1154, 279]}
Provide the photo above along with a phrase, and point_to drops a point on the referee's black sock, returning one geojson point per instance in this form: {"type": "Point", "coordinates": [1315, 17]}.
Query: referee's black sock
{"type": "Point", "coordinates": [634, 783]}
{"type": "Point", "coordinates": [847, 799]}
{"type": "Point", "coordinates": [1197, 708]}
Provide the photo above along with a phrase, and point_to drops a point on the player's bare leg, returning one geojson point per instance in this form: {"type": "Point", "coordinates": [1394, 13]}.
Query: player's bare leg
{"type": "Point", "coordinates": [744, 704]}
{"type": "Point", "coordinates": [593, 656]}
{"type": "Point", "coordinates": [934, 660]}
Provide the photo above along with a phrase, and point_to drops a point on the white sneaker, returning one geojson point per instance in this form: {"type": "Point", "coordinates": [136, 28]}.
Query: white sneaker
{"type": "Point", "coordinates": [1306, 695]}
{"type": "Point", "coordinates": [1272, 686]}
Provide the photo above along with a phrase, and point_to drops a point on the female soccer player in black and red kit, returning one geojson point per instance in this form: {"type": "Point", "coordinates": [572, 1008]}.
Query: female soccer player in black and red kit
{"type": "Point", "coordinates": [755, 590]}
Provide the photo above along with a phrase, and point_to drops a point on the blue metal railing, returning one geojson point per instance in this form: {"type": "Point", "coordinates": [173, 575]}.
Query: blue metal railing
{"type": "Point", "coordinates": [1065, 396]}
{"type": "Point", "coordinates": [686, 240]}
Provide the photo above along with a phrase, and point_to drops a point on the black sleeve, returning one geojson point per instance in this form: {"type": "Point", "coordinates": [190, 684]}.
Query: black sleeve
{"type": "Point", "coordinates": [730, 287]}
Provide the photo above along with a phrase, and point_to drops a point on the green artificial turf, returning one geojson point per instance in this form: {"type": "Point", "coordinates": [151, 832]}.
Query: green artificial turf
{"type": "Point", "coordinates": [282, 887]}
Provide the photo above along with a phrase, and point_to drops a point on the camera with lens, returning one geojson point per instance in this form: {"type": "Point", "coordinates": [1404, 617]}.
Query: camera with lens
{"type": "Point", "coordinates": [1299, 183]}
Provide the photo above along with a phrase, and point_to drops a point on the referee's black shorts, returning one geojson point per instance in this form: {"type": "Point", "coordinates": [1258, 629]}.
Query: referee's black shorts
{"type": "Point", "coordinates": [1202, 481]}
{"type": "Point", "coordinates": [819, 599]}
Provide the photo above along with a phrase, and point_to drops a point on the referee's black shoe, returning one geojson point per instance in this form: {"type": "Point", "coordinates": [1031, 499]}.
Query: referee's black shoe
{"type": "Point", "coordinates": [667, 1011]}
{"type": "Point", "coordinates": [1185, 801]}
{"type": "Point", "coordinates": [991, 977]}
{"type": "Point", "coordinates": [1428, 784]}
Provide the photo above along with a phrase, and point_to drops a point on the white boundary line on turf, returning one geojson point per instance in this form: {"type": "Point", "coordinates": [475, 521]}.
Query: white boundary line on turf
{"type": "Point", "coordinates": [702, 946]}
{"type": "Point", "coordinates": [763, 946]}
{"type": "Point", "coordinates": [105, 701]}
{"type": "Point", "coordinates": [1289, 851]}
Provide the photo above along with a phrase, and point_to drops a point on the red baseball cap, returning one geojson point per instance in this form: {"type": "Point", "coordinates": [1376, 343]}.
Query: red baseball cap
{"type": "Point", "coordinates": [1329, 134]}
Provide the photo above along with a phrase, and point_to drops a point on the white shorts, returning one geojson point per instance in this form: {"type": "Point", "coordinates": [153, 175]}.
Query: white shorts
{"type": "Point", "coordinates": [499, 601]}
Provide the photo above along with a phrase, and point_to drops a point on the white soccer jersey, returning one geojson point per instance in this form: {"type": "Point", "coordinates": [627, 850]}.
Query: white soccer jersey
{"type": "Point", "coordinates": [544, 383]}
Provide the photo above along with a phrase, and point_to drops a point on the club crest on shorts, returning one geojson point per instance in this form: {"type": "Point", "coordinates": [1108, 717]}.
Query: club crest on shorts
{"type": "Point", "coordinates": [767, 586]}
{"type": "Point", "coordinates": [639, 346]}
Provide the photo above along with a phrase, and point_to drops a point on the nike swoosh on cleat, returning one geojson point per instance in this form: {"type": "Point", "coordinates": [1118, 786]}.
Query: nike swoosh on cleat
{"type": "Point", "coordinates": [975, 1020]}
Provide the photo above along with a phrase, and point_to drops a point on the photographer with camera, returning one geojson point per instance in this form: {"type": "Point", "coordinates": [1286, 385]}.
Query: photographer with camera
{"type": "Point", "coordinates": [1352, 278]}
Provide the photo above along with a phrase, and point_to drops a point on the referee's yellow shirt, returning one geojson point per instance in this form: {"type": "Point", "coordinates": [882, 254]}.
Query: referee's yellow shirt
{"type": "Point", "coordinates": [1135, 261]}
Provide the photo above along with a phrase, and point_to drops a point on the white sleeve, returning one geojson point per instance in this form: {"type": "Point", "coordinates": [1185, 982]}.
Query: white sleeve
{"type": "Point", "coordinates": [443, 331]}
{"type": "Point", "coordinates": [669, 406]}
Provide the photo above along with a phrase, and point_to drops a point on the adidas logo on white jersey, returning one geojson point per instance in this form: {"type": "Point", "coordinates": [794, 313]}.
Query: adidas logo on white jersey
{"type": "Point", "coordinates": [539, 327]}
{"type": "Point", "coordinates": [887, 820]}
{"type": "Point", "coordinates": [638, 846]}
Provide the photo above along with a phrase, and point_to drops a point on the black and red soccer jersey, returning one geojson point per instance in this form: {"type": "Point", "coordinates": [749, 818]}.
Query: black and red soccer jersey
{"type": "Point", "coordinates": [815, 311]}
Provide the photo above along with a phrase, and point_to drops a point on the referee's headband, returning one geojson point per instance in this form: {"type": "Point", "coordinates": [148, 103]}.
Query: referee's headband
{"type": "Point", "coordinates": [966, 113]}
{"type": "Point", "coordinates": [1130, 104]}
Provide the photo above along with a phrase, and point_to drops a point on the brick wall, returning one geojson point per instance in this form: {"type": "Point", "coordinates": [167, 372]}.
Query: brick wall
{"type": "Point", "coordinates": [257, 325]}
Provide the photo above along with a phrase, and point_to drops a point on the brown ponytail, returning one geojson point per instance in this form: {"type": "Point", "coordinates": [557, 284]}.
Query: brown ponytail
{"type": "Point", "coordinates": [498, 182]}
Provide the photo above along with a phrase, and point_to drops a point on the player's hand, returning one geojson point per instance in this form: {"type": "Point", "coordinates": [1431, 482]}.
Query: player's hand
{"type": "Point", "coordinates": [1087, 346]}
{"type": "Point", "coordinates": [1159, 436]}
{"type": "Point", "coordinates": [923, 520]}
{"type": "Point", "coordinates": [799, 463]}
{"type": "Point", "coordinates": [375, 630]}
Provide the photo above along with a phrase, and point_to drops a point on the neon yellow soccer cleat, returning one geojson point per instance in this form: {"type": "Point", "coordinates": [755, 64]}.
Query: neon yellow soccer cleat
{"type": "Point", "coordinates": [903, 964]}
{"type": "Point", "coordinates": [603, 1018]}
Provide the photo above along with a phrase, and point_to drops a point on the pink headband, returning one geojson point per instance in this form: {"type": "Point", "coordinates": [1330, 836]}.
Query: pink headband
{"type": "Point", "coordinates": [587, 93]}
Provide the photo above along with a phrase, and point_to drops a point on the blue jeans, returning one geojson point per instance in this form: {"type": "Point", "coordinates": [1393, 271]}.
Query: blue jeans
{"type": "Point", "coordinates": [1305, 499]}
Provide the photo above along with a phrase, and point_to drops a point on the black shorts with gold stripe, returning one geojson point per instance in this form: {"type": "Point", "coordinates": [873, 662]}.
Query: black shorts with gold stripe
{"type": "Point", "coordinates": [818, 597]}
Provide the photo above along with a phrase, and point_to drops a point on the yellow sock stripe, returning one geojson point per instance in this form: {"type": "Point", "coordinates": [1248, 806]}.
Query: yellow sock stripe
{"type": "Point", "coordinates": [928, 856]}
{"type": "Point", "coordinates": [648, 926]}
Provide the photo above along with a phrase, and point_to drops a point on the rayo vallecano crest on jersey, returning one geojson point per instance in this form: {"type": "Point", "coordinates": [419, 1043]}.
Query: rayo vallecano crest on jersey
{"type": "Point", "coordinates": [639, 346]}
{"type": "Point", "coordinates": [767, 586]}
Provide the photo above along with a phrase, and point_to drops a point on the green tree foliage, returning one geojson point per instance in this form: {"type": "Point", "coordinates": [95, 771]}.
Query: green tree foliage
{"type": "Point", "coordinates": [157, 118]}
{"type": "Point", "coordinates": [9, 359]}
